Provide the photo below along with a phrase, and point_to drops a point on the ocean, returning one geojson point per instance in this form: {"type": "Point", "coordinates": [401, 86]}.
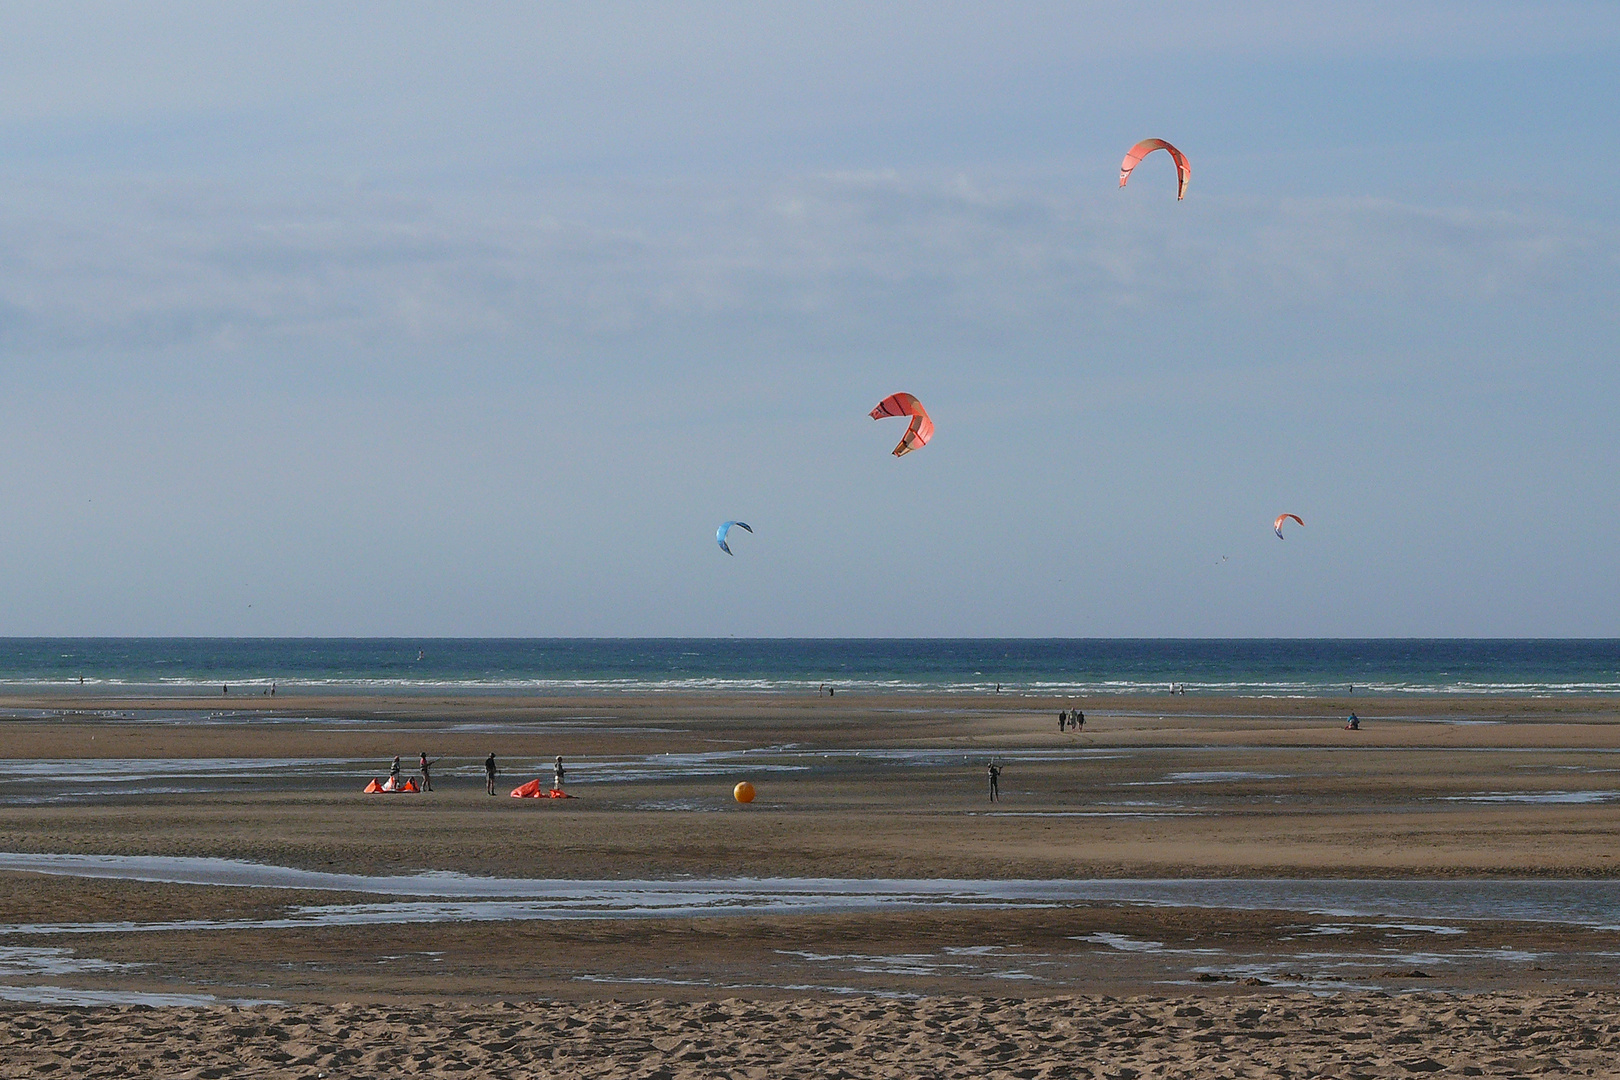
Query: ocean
{"type": "Point", "coordinates": [1285, 667]}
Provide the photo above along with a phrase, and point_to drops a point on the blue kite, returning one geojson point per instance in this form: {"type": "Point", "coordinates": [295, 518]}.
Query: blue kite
{"type": "Point", "coordinates": [720, 533]}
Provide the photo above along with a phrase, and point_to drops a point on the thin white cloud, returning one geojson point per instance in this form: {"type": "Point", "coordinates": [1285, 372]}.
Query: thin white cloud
{"type": "Point", "coordinates": [878, 254]}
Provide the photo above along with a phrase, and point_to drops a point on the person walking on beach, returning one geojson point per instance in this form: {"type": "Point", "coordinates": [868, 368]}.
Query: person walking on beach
{"type": "Point", "coordinates": [427, 779]}
{"type": "Point", "coordinates": [995, 782]}
{"type": "Point", "coordinates": [489, 772]}
{"type": "Point", "coordinates": [557, 775]}
{"type": "Point", "coordinates": [1078, 719]}
{"type": "Point", "coordinates": [1063, 720]}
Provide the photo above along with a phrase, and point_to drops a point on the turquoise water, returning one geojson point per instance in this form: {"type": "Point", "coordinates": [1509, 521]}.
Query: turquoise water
{"type": "Point", "coordinates": [595, 666]}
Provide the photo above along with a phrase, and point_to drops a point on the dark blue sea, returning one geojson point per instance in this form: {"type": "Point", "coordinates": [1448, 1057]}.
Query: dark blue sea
{"type": "Point", "coordinates": [601, 666]}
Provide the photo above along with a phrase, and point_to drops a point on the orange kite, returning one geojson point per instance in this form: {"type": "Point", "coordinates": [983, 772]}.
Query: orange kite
{"type": "Point", "coordinates": [921, 429]}
{"type": "Point", "coordinates": [1146, 147]}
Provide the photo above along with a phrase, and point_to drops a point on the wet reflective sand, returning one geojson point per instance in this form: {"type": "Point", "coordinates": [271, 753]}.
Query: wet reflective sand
{"type": "Point", "coordinates": [1231, 845]}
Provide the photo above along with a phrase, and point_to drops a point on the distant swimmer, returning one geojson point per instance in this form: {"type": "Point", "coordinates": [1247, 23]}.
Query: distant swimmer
{"type": "Point", "coordinates": [419, 654]}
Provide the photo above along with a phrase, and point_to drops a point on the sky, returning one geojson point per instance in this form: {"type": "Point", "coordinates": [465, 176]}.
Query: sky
{"type": "Point", "coordinates": [430, 319]}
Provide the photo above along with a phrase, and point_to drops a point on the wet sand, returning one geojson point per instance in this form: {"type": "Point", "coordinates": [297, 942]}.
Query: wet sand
{"type": "Point", "coordinates": [878, 787]}
{"type": "Point", "coordinates": [1454, 788]}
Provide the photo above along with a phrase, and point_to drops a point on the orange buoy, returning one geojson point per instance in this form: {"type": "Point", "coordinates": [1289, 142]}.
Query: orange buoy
{"type": "Point", "coordinates": [743, 792]}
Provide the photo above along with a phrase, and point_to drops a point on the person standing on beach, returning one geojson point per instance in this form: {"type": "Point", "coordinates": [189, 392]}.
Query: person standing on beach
{"type": "Point", "coordinates": [557, 775]}
{"type": "Point", "coordinates": [1063, 720]}
{"type": "Point", "coordinates": [1079, 719]}
{"type": "Point", "coordinates": [393, 770]}
{"type": "Point", "coordinates": [489, 771]}
{"type": "Point", "coordinates": [995, 785]}
{"type": "Point", "coordinates": [427, 780]}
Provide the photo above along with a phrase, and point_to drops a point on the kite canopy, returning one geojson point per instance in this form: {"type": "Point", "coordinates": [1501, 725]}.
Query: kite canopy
{"type": "Point", "coordinates": [533, 790]}
{"type": "Point", "coordinates": [1146, 147]}
{"type": "Point", "coordinates": [720, 533]}
{"type": "Point", "coordinates": [921, 429]}
{"type": "Point", "coordinates": [1277, 525]}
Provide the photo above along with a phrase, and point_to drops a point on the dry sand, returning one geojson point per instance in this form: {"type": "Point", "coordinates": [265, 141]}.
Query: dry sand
{"type": "Point", "coordinates": [851, 787]}
{"type": "Point", "coordinates": [1118, 1039]}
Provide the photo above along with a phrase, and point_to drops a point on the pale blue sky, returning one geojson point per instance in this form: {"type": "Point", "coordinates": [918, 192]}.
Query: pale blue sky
{"type": "Point", "coordinates": [399, 320]}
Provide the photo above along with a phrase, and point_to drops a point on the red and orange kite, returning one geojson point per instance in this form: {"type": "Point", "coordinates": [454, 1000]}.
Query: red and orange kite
{"type": "Point", "coordinates": [1146, 147]}
{"type": "Point", "coordinates": [921, 429]}
{"type": "Point", "coordinates": [1277, 525]}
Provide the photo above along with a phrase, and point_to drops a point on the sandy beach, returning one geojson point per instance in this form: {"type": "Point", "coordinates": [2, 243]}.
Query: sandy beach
{"type": "Point", "coordinates": [354, 973]}
{"type": "Point", "coordinates": [1279, 1035]}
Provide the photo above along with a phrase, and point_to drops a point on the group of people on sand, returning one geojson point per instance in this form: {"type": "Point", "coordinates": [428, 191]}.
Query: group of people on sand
{"type": "Point", "coordinates": [1071, 719]}
{"type": "Point", "coordinates": [425, 766]}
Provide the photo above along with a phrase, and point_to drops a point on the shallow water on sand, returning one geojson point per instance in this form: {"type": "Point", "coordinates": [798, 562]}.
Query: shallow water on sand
{"type": "Point", "coordinates": [1397, 935]}
{"type": "Point", "coordinates": [70, 780]}
{"type": "Point", "coordinates": [1590, 903]}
